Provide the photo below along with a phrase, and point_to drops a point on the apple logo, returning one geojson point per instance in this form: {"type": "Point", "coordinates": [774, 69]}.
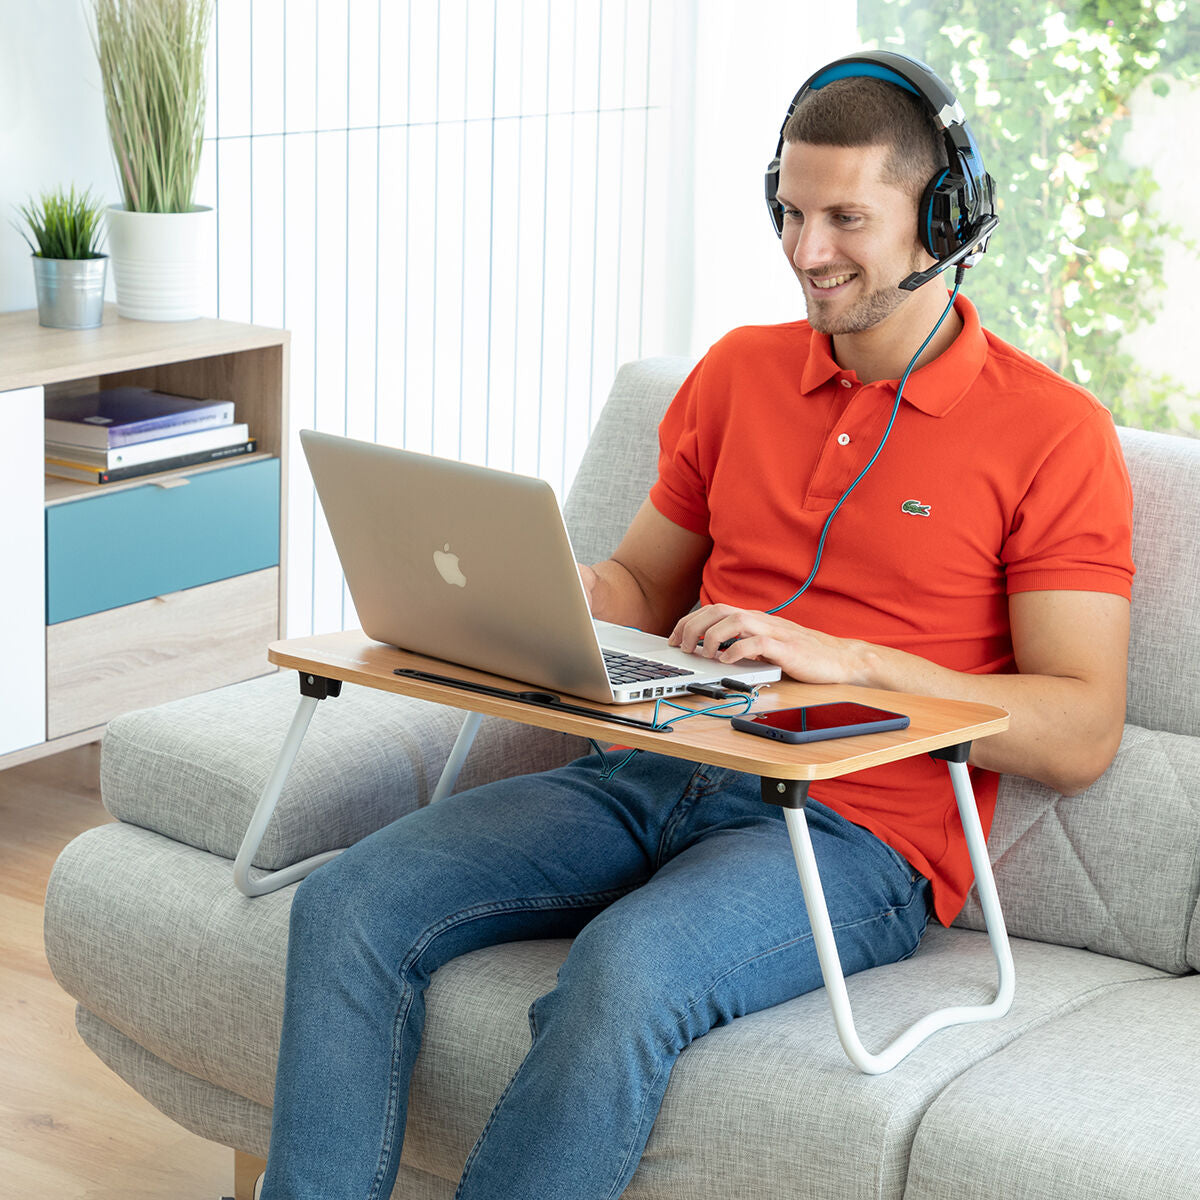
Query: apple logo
{"type": "Point", "coordinates": [448, 568]}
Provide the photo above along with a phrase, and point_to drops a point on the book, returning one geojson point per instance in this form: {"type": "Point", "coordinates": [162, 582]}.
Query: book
{"type": "Point", "coordinates": [149, 451]}
{"type": "Point", "coordinates": [83, 473]}
{"type": "Point", "coordinates": [126, 415]}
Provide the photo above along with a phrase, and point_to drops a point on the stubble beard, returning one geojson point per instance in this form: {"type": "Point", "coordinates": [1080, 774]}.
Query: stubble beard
{"type": "Point", "coordinates": [872, 309]}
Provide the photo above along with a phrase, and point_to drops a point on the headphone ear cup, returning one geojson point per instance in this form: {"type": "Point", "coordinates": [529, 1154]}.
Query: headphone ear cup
{"type": "Point", "coordinates": [941, 215]}
{"type": "Point", "coordinates": [770, 187]}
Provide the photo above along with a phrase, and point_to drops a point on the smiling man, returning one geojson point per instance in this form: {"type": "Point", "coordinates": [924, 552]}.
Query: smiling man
{"type": "Point", "coordinates": [882, 494]}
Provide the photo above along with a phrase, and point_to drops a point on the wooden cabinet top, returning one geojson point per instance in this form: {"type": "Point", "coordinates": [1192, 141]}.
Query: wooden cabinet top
{"type": "Point", "coordinates": [31, 354]}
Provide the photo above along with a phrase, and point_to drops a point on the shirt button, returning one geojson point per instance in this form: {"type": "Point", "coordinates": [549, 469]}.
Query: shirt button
{"type": "Point", "coordinates": [843, 439]}
{"type": "Point", "coordinates": [846, 383]}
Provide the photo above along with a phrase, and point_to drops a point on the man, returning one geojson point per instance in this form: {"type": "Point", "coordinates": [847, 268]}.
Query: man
{"type": "Point", "coordinates": [984, 556]}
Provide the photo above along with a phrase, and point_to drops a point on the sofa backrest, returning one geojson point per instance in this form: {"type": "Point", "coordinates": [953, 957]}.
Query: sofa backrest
{"type": "Point", "coordinates": [1115, 869]}
{"type": "Point", "coordinates": [621, 460]}
{"type": "Point", "coordinates": [1164, 645]}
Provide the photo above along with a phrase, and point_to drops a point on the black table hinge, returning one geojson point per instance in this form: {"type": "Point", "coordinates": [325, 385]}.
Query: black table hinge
{"type": "Point", "coordinates": [956, 754]}
{"type": "Point", "coordinates": [786, 793]}
{"type": "Point", "coordinates": [318, 686]}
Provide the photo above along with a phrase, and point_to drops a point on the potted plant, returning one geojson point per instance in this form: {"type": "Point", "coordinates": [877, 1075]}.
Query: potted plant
{"type": "Point", "coordinates": [151, 55]}
{"type": "Point", "coordinates": [68, 268]}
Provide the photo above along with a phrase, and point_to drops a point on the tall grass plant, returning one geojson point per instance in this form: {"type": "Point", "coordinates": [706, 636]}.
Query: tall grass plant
{"type": "Point", "coordinates": [151, 55]}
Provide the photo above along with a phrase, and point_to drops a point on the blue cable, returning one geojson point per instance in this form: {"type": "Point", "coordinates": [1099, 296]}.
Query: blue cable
{"type": "Point", "coordinates": [743, 702]}
{"type": "Point", "coordinates": [878, 449]}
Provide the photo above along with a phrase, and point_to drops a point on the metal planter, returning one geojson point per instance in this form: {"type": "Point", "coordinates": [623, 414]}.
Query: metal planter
{"type": "Point", "coordinates": [70, 291]}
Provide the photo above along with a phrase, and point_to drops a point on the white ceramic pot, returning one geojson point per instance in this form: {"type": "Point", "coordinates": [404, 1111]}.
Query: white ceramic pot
{"type": "Point", "coordinates": [162, 262]}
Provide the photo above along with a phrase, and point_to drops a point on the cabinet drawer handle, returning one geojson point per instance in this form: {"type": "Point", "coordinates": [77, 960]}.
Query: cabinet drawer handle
{"type": "Point", "coordinates": [179, 481]}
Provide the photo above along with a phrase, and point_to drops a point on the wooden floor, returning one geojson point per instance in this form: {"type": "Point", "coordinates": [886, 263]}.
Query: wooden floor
{"type": "Point", "coordinates": [69, 1127]}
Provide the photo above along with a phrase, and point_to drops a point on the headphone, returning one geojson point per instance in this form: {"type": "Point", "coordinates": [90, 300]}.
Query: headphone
{"type": "Point", "coordinates": [957, 212]}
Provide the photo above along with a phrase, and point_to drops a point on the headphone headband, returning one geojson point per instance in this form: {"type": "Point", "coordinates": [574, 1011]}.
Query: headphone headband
{"type": "Point", "coordinates": [958, 210]}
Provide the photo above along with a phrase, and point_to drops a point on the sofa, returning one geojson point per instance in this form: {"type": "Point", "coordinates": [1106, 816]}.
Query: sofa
{"type": "Point", "coordinates": [1088, 1087]}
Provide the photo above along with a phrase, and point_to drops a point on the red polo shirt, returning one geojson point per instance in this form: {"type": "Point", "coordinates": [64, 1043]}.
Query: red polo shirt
{"type": "Point", "coordinates": [998, 477]}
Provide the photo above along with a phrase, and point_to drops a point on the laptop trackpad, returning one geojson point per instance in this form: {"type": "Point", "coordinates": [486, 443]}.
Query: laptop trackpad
{"type": "Point", "coordinates": [649, 645]}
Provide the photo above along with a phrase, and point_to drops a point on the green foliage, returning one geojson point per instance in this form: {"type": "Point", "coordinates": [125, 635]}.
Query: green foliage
{"type": "Point", "coordinates": [151, 55]}
{"type": "Point", "coordinates": [64, 224]}
{"type": "Point", "coordinates": [1077, 261]}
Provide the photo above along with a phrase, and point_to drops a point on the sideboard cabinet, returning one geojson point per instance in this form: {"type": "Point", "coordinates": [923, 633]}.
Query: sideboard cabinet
{"type": "Point", "coordinates": [124, 595]}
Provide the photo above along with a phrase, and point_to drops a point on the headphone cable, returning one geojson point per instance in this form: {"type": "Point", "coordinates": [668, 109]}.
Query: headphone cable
{"type": "Point", "coordinates": [958, 279]}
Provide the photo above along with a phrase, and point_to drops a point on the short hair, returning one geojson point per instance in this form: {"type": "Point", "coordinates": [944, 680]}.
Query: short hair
{"type": "Point", "coordinates": [861, 110]}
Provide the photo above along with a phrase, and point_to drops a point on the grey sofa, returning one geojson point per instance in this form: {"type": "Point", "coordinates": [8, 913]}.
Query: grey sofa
{"type": "Point", "coordinates": [1090, 1087]}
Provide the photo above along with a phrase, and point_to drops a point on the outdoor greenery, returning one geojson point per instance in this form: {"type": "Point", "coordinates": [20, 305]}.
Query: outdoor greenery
{"type": "Point", "coordinates": [151, 55]}
{"type": "Point", "coordinates": [1077, 261]}
{"type": "Point", "coordinates": [64, 224]}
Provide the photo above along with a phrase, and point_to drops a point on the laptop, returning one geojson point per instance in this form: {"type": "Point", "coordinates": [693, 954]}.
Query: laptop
{"type": "Point", "coordinates": [474, 566]}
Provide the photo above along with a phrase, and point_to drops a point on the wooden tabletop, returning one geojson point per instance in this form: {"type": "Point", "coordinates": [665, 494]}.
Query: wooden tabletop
{"type": "Point", "coordinates": [354, 658]}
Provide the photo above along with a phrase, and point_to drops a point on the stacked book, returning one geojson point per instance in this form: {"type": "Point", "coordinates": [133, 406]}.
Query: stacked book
{"type": "Point", "coordinates": [124, 432]}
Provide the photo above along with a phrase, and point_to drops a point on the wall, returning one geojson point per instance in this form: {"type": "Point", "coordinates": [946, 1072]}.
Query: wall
{"type": "Point", "coordinates": [52, 130]}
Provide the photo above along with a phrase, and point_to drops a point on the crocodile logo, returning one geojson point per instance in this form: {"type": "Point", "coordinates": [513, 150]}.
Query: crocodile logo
{"type": "Point", "coordinates": [915, 508]}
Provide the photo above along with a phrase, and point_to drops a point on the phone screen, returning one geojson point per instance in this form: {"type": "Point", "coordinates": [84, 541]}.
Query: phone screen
{"type": "Point", "coordinates": [813, 717]}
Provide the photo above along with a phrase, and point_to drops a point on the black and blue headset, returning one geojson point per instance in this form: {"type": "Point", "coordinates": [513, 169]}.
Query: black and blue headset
{"type": "Point", "coordinates": [957, 213]}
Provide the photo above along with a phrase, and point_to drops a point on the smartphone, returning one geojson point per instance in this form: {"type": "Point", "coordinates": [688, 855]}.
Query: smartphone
{"type": "Point", "coordinates": [815, 722]}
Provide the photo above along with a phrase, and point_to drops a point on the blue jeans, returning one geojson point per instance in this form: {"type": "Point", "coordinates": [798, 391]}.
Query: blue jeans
{"type": "Point", "coordinates": [679, 887]}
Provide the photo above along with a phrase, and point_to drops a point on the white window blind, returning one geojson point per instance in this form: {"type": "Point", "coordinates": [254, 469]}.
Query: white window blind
{"type": "Point", "coordinates": [457, 207]}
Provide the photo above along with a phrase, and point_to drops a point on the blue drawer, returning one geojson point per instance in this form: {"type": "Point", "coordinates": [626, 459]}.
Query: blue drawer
{"type": "Point", "coordinates": [117, 548]}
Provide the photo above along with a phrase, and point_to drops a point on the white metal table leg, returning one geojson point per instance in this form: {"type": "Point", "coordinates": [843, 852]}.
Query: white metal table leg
{"type": "Point", "coordinates": [826, 947]}
{"type": "Point", "coordinates": [458, 756]}
{"type": "Point", "coordinates": [274, 880]}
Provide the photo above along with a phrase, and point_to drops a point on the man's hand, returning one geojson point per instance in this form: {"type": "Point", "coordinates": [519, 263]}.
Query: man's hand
{"type": "Point", "coordinates": [726, 634]}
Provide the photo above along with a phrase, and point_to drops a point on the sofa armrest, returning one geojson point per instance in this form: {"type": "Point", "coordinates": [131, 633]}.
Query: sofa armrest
{"type": "Point", "coordinates": [193, 770]}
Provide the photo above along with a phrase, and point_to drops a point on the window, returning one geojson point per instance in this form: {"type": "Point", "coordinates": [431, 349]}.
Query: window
{"type": "Point", "coordinates": [1072, 104]}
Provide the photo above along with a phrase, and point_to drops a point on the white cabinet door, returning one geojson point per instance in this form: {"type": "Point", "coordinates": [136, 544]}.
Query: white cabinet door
{"type": "Point", "coordinates": [22, 570]}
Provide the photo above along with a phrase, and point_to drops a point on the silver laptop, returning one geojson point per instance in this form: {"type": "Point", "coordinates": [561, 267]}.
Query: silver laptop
{"type": "Point", "coordinates": [474, 566]}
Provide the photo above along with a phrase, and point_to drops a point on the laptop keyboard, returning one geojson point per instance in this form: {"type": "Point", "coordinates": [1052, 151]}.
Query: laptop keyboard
{"type": "Point", "coordinates": [629, 668]}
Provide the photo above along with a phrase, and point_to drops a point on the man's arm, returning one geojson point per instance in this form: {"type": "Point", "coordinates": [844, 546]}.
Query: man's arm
{"type": "Point", "coordinates": [653, 576]}
{"type": "Point", "coordinates": [1067, 704]}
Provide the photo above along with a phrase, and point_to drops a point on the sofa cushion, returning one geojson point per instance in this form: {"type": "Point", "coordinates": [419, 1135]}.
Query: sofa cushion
{"type": "Point", "coordinates": [1115, 869]}
{"type": "Point", "coordinates": [201, 1107]}
{"type": "Point", "coordinates": [152, 938]}
{"type": "Point", "coordinates": [1101, 1102]}
{"type": "Point", "coordinates": [194, 769]}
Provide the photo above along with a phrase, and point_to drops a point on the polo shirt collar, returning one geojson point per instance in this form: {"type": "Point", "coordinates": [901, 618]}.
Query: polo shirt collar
{"type": "Point", "coordinates": [934, 389]}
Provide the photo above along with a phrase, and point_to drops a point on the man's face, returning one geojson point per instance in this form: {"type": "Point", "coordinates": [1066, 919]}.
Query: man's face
{"type": "Point", "coordinates": [849, 236]}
